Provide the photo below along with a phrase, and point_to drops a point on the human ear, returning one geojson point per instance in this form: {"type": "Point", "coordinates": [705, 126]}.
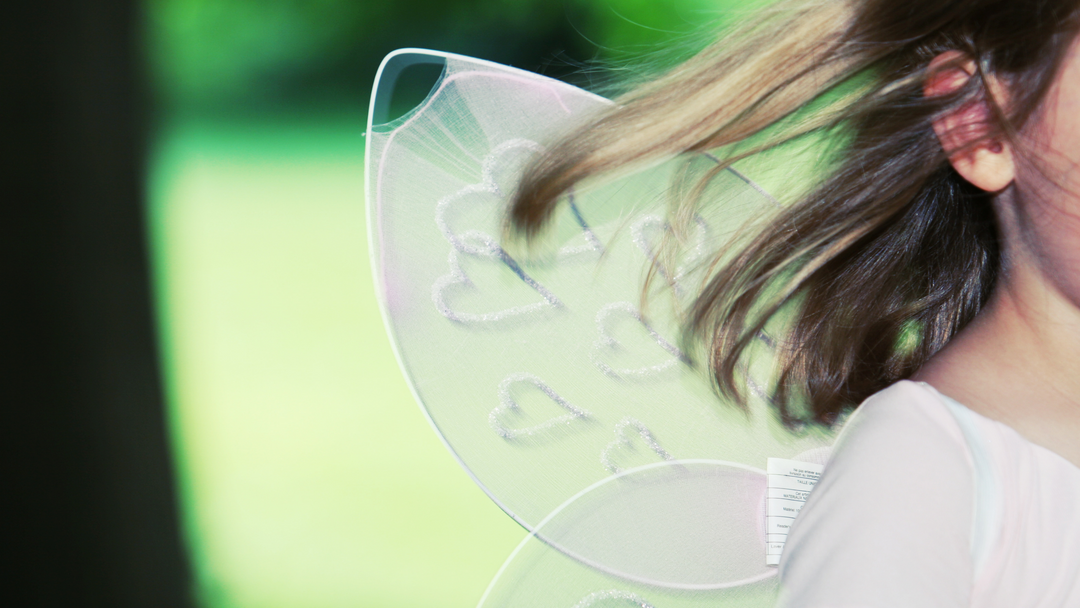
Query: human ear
{"type": "Point", "coordinates": [984, 161]}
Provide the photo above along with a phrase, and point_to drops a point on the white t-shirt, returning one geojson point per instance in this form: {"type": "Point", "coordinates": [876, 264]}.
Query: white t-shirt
{"type": "Point", "coordinates": [926, 504]}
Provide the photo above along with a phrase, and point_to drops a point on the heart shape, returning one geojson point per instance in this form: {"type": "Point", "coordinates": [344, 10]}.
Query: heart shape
{"type": "Point", "coordinates": [646, 231]}
{"type": "Point", "coordinates": [458, 279]}
{"type": "Point", "coordinates": [508, 404]}
{"type": "Point", "coordinates": [607, 342]}
{"type": "Point", "coordinates": [500, 172]}
{"type": "Point", "coordinates": [622, 441]}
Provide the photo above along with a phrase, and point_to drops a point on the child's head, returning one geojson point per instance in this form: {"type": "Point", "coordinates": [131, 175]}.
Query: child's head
{"type": "Point", "coordinates": [894, 251]}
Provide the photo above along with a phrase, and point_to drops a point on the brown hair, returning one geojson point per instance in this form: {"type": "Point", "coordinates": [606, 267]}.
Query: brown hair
{"type": "Point", "coordinates": [890, 255]}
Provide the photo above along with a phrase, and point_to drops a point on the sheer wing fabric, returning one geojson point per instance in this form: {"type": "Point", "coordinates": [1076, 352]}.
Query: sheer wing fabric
{"type": "Point", "coordinates": [571, 409]}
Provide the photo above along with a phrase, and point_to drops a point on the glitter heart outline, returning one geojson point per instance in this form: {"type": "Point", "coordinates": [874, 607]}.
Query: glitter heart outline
{"type": "Point", "coordinates": [605, 341]}
{"type": "Point", "coordinates": [457, 276]}
{"type": "Point", "coordinates": [507, 403]}
{"type": "Point", "coordinates": [490, 186]}
{"type": "Point", "coordinates": [644, 243]}
{"type": "Point", "coordinates": [622, 441]}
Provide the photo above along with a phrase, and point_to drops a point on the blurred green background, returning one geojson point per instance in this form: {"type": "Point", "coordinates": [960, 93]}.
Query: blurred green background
{"type": "Point", "coordinates": [309, 476]}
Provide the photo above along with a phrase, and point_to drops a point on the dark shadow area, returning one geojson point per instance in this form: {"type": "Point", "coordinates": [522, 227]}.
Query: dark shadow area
{"type": "Point", "coordinates": [94, 501]}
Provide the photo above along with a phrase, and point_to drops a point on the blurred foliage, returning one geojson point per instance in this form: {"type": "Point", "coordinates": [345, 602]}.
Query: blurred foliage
{"type": "Point", "coordinates": [219, 55]}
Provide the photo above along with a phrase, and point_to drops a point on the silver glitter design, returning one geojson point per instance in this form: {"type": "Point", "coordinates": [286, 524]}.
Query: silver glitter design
{"type": "Point", "coordinates": [487, 186]}
{"type": "Point", "coordinates": [479, 244]}
{"type": "Point", "coordinates": [457, 277]}
{"type": "Point", "coordinates": [756, 389]}
{"type": "Point", "coordinates": [630, 599]}
{"type": "Point", "coordinates": [605, 341]}
{"type": "Point", "coordinates": [642, 233]}
{"type": "Point", "coordinates": [475, 242]}
{"type": "Point", "coordinates": [507, 404]}
{"type": "Point", "coordinates": [622, 440]}
{"type": "Point", "coordinates": [592, 242]}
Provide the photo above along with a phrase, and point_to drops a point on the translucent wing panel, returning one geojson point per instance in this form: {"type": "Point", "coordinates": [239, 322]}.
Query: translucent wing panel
{"type": "Point", "coordinates": [543, 376]}
{"type": "Point", "coordinates": [665, 537]}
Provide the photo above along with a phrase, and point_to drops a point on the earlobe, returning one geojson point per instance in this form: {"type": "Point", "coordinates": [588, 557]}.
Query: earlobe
{"type": "Point", "coordinates": [986, 165]}
{"type": "Point", "coordinates": [985, 162]}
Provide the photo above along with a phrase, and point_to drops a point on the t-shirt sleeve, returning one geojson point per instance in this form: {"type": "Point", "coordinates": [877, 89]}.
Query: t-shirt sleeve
{"type": "Point", "coordinates": [889, 523]}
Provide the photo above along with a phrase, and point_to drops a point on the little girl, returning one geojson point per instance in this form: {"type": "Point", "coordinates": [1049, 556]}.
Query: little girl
{"type": "Point", "coordinates": [933, 275]}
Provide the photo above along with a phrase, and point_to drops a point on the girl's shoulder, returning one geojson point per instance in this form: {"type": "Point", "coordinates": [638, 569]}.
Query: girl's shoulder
{"type": "Point", "coordinates": [905, 413]}
{"type": "Point", "coordinates": [892, 514]}
{"type": "Point", "coordinates": [926, 502]}
{"type": "Point", "coordinates": [906, 430]}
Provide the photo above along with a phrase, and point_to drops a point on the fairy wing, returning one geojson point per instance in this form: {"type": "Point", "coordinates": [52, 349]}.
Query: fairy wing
{"type": "Point", "coordinates": [560, 398]}
{"type": "Point", "coordinates": [645, 538]}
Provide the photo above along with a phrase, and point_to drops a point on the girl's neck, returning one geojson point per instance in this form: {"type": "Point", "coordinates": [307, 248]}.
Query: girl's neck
{"type": "Point", "coordinates": [1018, 362]}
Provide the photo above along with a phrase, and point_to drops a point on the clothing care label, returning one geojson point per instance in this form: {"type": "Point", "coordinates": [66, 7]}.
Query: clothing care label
{"type": "Point", "coordinates": [790, 482]}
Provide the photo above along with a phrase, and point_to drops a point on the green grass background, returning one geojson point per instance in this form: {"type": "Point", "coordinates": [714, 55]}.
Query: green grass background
{"type": "Point", "coordinates": [309, 475]}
